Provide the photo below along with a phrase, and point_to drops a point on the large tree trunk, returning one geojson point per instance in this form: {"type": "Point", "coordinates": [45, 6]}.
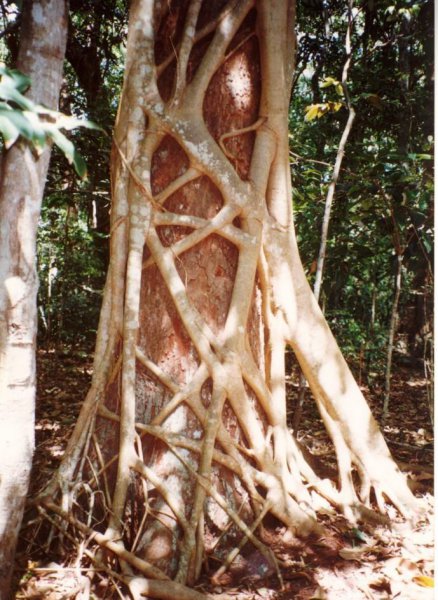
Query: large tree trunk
{"type": "Point", "coordinates": [42, 47]}
{"type": "Point", "coordinates": [185, 423]}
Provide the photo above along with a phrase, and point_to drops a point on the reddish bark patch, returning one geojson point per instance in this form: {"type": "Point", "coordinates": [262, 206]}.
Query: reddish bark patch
{"type": "Point", "coordinates": [208, 270]}
{"type": "Point", "coordinates": [168, 162]}
{"type": "Point", "coordinates": [163, 337]}
{"type": "Point", "coordinates": [199, 198]}
{"type": "Point", "coordinates": [237, 84]}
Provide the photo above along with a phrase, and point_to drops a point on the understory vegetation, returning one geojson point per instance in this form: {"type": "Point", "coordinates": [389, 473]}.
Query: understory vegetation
{"type": "Point", "coordinates": [206, 398]}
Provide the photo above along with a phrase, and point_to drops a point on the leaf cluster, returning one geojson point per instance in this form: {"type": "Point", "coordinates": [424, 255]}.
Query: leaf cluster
{"type": "Point", "coordinates": [20, 116]}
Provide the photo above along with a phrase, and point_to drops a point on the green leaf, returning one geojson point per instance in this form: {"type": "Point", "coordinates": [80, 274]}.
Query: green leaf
{"type": "Point", "coordinates": [38, 135]}
{"type": "Point", "coordinates": [420, 156]}
{"type": "Point", "coordinates": [427, 244]}
{"type": "Point", "coordinates": [68, 149]}
{"type": "Point", "coordinates": [13, 125]}
{"type": "Point", "coordinates": [21, 81]}
{"type": "Point", "coordinates": [359, 534]}
{"type": "Point", "coordinates": [34, 122]}
{"type": "Point", "coordinates": [8, 130]}
{"type": "Point", "coordinates": [10, 93]}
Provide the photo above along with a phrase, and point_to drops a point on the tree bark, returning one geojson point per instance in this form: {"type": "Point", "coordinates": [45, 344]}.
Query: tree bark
{"type": "Point", "coordinates": [392, 333]}
{"type": "Point", "coordinates": [185, 422]}
{"type": "Point", "coordinates": [42, 47]}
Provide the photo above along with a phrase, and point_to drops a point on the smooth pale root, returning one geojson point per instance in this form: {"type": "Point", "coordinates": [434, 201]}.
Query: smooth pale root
{"type": "Point", "coordinates": [215, 388]}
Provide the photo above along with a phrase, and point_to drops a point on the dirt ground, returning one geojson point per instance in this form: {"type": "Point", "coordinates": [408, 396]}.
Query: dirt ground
{"type": "Point", "coordinates": [371, 562]}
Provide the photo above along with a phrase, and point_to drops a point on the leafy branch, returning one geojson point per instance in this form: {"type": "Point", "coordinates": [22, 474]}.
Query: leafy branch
{"type": "Point", "coordinates": [38, 125]}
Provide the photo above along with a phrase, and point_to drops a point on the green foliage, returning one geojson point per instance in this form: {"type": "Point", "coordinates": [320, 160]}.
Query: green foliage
{"type": "Point", "coordinates": [71, 275]}
{"type": "Point", "coordinates": [19, 116]}
{"type": "Point", "coordinates": [74, 228]}
{"type": "Point", "coordinates": [383, 200]}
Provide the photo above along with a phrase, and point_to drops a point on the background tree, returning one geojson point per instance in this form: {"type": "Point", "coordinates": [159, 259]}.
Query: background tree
{"type": "Point", "coordinates": [184, 430]}
{"type": "Point", "coordinates": [386, 181]}
{"type": "Point", "coordinates": [23, 174]}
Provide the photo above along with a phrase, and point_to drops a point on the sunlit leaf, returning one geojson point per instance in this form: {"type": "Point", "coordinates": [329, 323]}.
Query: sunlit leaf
{"type": "Point", "coordinates": [10, 93]}
{"type": "Point", "coordinates": [21, 81]}
{"type": "Point", "coordinates": [334, 106]}
{"type": "Point", "coordinates": [328, 81]}
{"type": "Point", "coordinates": [405, 12]}
{"type": "Point", "coordinates": [69, 123]}
{"type": "Point", "coordinates": [8, 130]}
{"type": "Point", "coordinates": [424, 581]}
{"type": "Point", "coordinates": [38, 134]}
{"type": "Point", "coordinates": [311, 112]}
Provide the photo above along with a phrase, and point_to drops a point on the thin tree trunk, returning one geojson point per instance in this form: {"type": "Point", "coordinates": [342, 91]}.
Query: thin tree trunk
{"type": "Point", "coordinates": [42, 46]}
{"type": "Point", "coordinates": [338, 162]}
{"type": "Point", "coordinates": [391, 334]}
{"type": "Point", "coordinates": [51, 277]}
{"type": "Point", "coordinates": [373, 308]}
{"type": "Point", "coordinates": [371, 326]}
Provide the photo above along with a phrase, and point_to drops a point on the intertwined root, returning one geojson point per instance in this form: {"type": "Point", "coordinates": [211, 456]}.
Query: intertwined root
{"type": "Point", "coordinates": [182, 446]}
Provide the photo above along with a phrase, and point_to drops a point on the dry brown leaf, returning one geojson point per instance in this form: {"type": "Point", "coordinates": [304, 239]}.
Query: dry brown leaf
{"type": "Point", "coordinates": [355, 553]}
{"type": "Point", "coordinates": [382, 584]}
{"type": "Point", "coordinates": [319, 594]}
{"type": "Point", "coordinates": [401, 564]}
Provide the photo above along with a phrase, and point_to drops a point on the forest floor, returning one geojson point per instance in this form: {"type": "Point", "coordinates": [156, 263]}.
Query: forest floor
{"type": "Point", "coordinates": [371, 563]}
